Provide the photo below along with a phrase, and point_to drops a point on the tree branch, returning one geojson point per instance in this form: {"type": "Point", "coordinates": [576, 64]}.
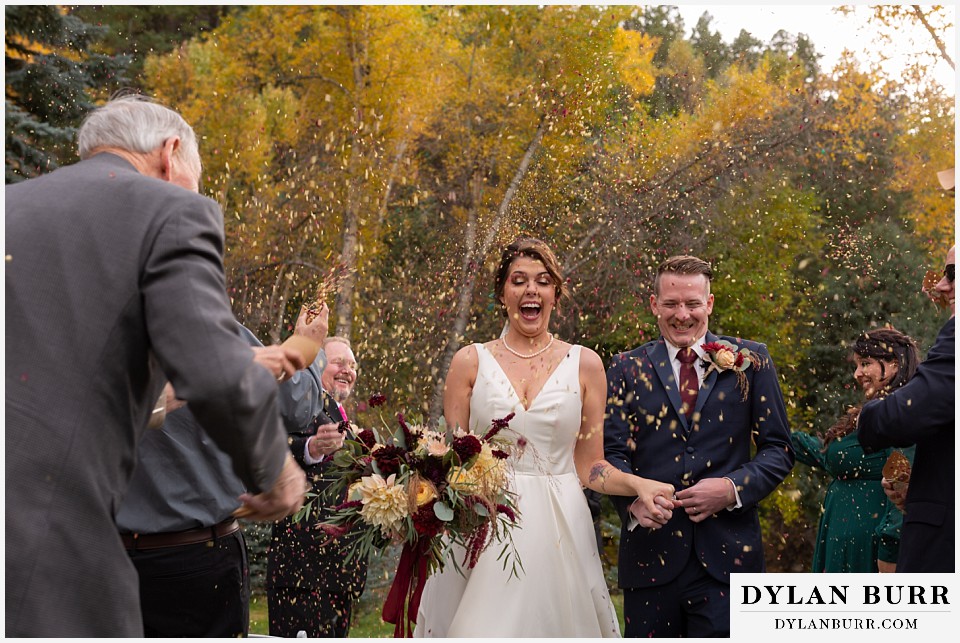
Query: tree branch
{"type": "Point", "coordinates": [918, 11]}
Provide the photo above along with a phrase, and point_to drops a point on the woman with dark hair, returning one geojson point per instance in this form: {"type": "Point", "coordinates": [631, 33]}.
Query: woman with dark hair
{"type": "Point", "coordinates": [860, 528]}
{"type": "Point", "coordinates": [557, 392]}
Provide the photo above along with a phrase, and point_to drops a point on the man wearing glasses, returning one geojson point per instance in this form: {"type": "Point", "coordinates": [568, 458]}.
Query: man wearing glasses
{"type": "Point", "coordinates": [922, 412]}
{"type": "Point", "coordinates": [311, 587]}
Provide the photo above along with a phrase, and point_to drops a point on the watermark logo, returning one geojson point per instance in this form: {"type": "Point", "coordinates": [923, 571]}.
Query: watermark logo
{"type": "Point", "coordinates": [854, 606]}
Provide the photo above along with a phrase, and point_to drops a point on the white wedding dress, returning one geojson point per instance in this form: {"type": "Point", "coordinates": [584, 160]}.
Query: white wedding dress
{"type": "Point", "coordinates": [561, 590]}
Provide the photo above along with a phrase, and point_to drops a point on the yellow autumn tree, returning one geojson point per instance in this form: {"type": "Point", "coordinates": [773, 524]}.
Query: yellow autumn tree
{"type": "Point", "coordinates": [634, 52]}
{"type": "Point", "coordinates": [306, 115]}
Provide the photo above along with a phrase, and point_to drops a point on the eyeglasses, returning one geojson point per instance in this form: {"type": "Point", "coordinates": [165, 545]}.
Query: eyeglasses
{"type": "Point", "coordinates": [950, 272]}
{"type": "Point", "coordinates": [343, 363]}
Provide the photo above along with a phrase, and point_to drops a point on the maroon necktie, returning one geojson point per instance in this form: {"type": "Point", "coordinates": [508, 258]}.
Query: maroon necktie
{"type": "Point", "coordinates": [689, 382]}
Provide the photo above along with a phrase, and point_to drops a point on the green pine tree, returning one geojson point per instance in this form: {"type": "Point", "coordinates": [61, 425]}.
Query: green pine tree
{"type": "Point", "coordinates": [52, 79]}
{"type": "Point", "coordinates": [871, 278]}
{"type": "Point", "coordinates": [140, 31]}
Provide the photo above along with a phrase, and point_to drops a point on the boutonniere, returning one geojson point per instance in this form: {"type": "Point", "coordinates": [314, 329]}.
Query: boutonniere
{"type": "Point", "coordinates": [724, 356]}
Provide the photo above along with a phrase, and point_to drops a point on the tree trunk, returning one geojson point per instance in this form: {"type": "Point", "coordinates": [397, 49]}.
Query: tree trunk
{"type": "Point", "coordinates": [350, 252]}
{"type": "Point", "coordinates": [349, 256]}
{"type": "Point", "coordinates": [391, 181]}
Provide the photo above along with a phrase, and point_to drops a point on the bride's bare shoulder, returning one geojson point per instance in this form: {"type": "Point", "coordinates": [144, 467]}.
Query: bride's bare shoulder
{"type": "Point", "coordinates": [590, 362]}
{"type": "Point", "coordinates": [463, 367]}
{"type": "Point", "coordinates": [465, 356]}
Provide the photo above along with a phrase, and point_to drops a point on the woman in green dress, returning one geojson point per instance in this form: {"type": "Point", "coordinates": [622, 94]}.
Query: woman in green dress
{"type": "Point", "coordinates": [860, 528]}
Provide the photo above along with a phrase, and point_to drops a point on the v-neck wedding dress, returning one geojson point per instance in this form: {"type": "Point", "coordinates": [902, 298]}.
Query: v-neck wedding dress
{"type": "Point", "coordinates": [561, 590]}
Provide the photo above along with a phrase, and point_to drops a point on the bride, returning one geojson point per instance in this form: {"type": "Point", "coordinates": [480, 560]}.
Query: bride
{"type": "Point", "coordinates": [558, 392]}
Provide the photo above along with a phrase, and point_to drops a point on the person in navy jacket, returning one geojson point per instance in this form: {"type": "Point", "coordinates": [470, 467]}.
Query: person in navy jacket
{"type": "Point", "coordinates": [716, 428]}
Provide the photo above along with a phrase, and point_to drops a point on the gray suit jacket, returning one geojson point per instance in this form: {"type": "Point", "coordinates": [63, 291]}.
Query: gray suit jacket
{"type": "Point", "coordinates": [113, 281]}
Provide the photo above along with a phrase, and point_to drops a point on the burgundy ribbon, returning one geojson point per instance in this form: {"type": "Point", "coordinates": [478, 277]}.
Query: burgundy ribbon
{"type": "Point", "coordinates": [403, 601]}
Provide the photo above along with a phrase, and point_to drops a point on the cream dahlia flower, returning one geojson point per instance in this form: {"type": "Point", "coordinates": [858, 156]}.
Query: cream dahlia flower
{"type": "Point", "coordinates": [384, 502]}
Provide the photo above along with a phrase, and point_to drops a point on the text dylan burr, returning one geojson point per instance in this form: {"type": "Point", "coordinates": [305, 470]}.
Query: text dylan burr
{"type": "Point", "coordinates": [838, 595]}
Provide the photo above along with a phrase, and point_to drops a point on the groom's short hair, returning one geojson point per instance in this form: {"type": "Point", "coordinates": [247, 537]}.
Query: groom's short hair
{"type": "Point", "coordinates": [683, 265]}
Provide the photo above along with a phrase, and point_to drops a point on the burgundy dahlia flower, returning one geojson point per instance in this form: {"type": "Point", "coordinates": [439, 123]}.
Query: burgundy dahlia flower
{"type": "Point", "coordinates": [466, 447]}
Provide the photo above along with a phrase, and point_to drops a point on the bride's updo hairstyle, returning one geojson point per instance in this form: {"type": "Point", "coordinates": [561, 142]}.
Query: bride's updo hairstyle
{"type": "Point", "coordinates": [533, 249]}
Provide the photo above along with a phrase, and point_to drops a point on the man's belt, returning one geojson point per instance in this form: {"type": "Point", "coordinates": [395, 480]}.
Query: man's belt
{"type": "Point", "coordinates": [135, 542]}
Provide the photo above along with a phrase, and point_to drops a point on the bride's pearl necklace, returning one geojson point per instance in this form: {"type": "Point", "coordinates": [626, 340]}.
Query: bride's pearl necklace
{"type": "Point", "coordinates": [531, 355]}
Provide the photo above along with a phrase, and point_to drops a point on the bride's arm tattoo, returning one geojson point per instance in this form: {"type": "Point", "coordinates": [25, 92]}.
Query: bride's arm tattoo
{"type": "Point", "coordinates": [599, 472]}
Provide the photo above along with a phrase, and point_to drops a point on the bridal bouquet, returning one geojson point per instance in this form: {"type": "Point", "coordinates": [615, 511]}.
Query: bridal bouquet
{"type": "Point", "coordinates": [429, 490]}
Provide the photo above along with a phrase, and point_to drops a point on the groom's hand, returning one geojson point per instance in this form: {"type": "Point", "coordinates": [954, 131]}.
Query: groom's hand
{"type": "Point", "coordinates": [661, 514]}
{"type": "Point", "coordinates": [706, 498]}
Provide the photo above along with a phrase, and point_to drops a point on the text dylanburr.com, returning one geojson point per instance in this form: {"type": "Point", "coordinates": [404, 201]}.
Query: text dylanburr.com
{"type": "Point", "coordinates": [854, 606]}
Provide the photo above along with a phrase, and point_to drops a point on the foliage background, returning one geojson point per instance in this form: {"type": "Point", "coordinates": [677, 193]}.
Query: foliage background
{"type": "Point", "coordinates": [408, 143]}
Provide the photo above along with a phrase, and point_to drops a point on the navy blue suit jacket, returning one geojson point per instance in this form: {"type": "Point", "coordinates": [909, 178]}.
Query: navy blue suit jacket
{"type": "Point", "coordinates": [922, 412]}
{"type": "Point", "coordinates": [747, 441]}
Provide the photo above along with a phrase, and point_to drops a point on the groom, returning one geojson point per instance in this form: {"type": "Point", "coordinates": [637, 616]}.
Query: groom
{"type": "Point", "coordinates": [681, 414]}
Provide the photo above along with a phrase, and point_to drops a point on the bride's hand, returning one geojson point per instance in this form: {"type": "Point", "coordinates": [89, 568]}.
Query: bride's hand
{"type": "Point", "coordinates": [654, 504]}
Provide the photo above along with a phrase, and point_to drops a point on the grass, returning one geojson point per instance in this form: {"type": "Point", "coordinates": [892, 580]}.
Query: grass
{"type": "Point", "coordinates": [258, 615]}
{"type": "Point", "coordinates": [367, 623]}
{"type": "Point", "coordinates": [366, 619]}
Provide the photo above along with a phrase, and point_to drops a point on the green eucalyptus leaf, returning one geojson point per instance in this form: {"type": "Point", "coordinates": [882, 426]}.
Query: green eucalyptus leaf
{"type": "Point", "coordinates": [443, 511]}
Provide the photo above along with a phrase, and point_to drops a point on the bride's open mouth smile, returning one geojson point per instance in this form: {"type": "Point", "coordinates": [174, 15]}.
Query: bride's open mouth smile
{"type": "Point", "coordinates": [530, 311]}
